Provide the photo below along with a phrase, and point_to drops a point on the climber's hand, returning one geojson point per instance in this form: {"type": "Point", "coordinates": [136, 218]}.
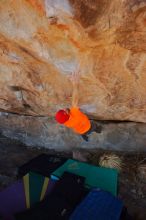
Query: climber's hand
{"type": "Point", "coordinates": [75, 76]}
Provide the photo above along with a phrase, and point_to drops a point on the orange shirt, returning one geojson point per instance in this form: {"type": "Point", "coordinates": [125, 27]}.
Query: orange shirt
{"type": "Point", "coordinates": [78, 121]}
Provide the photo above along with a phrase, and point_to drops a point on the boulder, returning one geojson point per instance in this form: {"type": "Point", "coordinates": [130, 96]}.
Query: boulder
{"type": "Point", "coordinates": [43, 41]}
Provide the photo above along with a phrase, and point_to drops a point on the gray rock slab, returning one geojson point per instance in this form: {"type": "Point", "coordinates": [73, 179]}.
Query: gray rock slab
{"type": "Point", "coordinates": [45, 132]}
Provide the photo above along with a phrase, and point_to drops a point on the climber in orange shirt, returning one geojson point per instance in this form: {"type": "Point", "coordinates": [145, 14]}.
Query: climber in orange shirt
{"type": "Point", "coordinates": [75, 119]}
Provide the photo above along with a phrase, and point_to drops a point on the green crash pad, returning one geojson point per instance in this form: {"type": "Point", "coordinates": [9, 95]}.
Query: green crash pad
{"type": "Point", "coordinates": [103, 178]}
{"type": "Point", "coordinates": [35, 186]}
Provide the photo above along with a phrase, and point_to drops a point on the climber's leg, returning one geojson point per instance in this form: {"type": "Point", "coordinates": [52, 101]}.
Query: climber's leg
{"type": "Point", "coordinates": [85, 137]}
{"type": "Point", "coordinates": [95, 127]}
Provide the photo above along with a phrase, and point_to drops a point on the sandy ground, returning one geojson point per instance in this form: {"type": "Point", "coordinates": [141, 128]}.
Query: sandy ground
{"type": "Point", "coordinates": [132, 178]}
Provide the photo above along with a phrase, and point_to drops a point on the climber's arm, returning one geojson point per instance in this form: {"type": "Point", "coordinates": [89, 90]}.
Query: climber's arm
{"type": "Point", "coordinates": [75, 84]}
{"type": "Point", "coordinates": [75, 96]}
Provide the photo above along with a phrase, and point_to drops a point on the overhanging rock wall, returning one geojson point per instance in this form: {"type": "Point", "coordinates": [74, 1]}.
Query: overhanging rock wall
{"type": "Point", "coordinates": [43, 41]}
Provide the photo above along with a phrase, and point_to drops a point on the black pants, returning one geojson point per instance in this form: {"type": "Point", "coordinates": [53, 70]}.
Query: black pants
{"type": "Point", "coordinates": [95, 127]}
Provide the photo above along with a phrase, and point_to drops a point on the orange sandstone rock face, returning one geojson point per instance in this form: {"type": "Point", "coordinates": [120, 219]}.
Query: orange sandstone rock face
{"type": "Point", "coordinates": [43, 41]}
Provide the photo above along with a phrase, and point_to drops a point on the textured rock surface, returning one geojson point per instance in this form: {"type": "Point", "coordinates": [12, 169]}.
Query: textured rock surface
{"type": "Point", "coordinates": [44, 132]}
{"type": "Point", "coordinates": [43, 41]}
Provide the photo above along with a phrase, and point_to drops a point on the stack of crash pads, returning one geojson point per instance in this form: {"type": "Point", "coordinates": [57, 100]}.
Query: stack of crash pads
{"type": "Point", "coordinates": [33, 186]}
{"type": "Point", "coordinates": [36, 187]}
{"type": "Point", "coordinates": [43, 164]}
{"type": "Point", "coordinates": [24, 194]}
{"type": "Point", "coordinates": [48, 180]}
{"type": "Point", "coordinates": [67, 193]}
{"type": "Point", "coordinates": [12, 200]}
{"type": "Point", "coordinates": [103, 178]}
{"type": "Point", "coordinates": [98, 204]}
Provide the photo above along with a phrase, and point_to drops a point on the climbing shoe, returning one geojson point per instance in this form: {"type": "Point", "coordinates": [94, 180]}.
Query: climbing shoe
{"type": "Point", "coordinates": [85, 137]}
